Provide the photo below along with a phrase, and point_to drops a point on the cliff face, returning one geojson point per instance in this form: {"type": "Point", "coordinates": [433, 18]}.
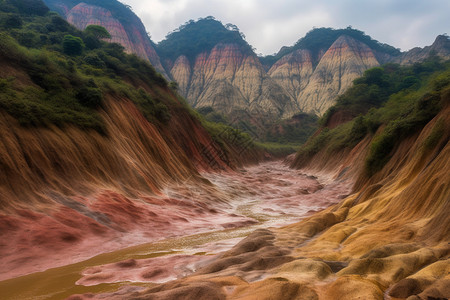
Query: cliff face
{"type": "Point", "coordinates": [293, 72]}
{"type": "Point", "coordinates": [130, 34]}
{"type": "Point", "coordinates": [315, 89]}
{"type": "Point", "coordinates": [229, 80]}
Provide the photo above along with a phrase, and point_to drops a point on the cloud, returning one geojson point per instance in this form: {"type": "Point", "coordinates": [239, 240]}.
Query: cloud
{"type": "Point", "coordinates": [269, 24]}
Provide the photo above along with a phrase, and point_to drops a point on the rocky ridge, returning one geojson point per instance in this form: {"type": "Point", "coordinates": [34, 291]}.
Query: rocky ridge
{"type": "Point", "coordinates": [230, 79]}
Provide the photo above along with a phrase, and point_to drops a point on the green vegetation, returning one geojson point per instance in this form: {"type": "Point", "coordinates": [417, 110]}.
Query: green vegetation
{"type": "Point", "coordinates": [277, 149]}
{"type": "Point", "coordinates": [377, 85]}
{"type": "Point", "coordinates": [295, 130]}
{"type": "Point", "coordinates": [72, 45]}
{"type": "Point", "coordinates": [319, 39]}
{"type": "Point", "coordinates": [399, 100]}
{"type": "Point", "coordinates": [69, 81]}
{"type": "Point", "coordinates": [212, 116]}
{"type": "Point", "coordinates": [228, 137]}
{"type": "Point", "coordinates": [194, 38]}
{"type": "Point", "coordinates": [285, 134]}
{"type": "Point", "coordinates": [97, 32]}
{"type": "Point", "coordinates": [24, 7]}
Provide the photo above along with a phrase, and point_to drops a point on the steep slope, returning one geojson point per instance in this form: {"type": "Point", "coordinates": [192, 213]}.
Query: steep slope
{"type": "Point", "coordinates": [60, 198]}
{"type": "Point", "coordinates": [215, 67]}
{"type": "Point", "coordinates": [123, 25]}
{"type": "Point", "coordinates": [228, 80]}
{"type": "Point", "coordinates": [343, 62]}
{"type": "Point", "coordinates": [293, 72]}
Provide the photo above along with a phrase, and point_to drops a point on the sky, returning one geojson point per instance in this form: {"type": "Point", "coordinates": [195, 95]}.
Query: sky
{"type": "Point", "coordinates": [270, 24]}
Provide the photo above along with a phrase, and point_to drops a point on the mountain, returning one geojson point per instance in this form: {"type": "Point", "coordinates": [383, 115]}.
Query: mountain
{"type": "Point", "coordinates": [315, 89]}
{"type": "Point", "coordinates": [123, 25]}
{"type": "Point", "coordinates": [215, 67]}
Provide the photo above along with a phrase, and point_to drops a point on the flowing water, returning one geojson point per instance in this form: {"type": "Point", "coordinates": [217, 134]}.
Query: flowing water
{"type": "Point", "coordinates": [266, 195]}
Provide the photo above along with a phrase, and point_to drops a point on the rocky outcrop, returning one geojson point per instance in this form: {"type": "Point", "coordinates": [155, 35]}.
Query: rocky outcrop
{"type": "Point", "coordinates": [293, 72]}
{"type": "Point", "coordinates": [315, 88]}
{"type": "Point", "coordinates": [346, 60]}
{"type": "Point", "coordinates": [182, 72]}
{"type": "Point", "coordinates": [131, 34]}
{"type": "Point", "coordinates": [230, 80]}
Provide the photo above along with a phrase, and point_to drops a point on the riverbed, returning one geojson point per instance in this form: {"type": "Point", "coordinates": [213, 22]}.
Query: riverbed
{"type": "Point", "coordinates": [266, 195]}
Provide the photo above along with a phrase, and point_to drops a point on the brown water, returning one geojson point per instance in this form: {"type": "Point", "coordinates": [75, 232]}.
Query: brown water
{"type": "Point", "coordinates": [270, 193]}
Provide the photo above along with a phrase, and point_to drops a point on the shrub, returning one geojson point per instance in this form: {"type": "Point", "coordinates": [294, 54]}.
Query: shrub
{"type": "Point", "coordinates": [94, 60]}
{"type": "Point", "coordinates": [380, 149]}
{"type": "Point", "coordinates": [28, 39]}
{"type": "Point", "coordinates": [90, 97]}
{"type": "Point", "coordinates": [97, 31]}
{"type": "Point", "coordinates": [72, 45]}
{"type": "Point", "coordinates": [30, 7]}
{"type": "Point", "coordinates": [12, 21]}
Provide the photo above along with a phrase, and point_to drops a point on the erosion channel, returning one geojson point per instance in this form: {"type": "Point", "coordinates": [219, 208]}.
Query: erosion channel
{"type": "Point", "coordinates": [266, 195]}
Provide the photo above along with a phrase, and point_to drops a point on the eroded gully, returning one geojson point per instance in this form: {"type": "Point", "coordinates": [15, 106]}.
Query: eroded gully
{"type": "Point", "coordinates": [266, 195]}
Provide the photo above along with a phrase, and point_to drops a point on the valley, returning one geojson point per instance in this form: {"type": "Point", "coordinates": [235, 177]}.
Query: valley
{"type": "Point", "coordinates": [196, 169]}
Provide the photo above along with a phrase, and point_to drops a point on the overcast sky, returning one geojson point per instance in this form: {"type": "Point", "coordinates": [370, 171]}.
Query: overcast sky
{"type": "Point", "coordinates": [270, 24]}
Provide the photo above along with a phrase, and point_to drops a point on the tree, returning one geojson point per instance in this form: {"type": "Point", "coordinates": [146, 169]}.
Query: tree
{"type": "Point", "coordinates": [58, 24]}
{"type": "Point", "coordinates": [231, 27]}
{"type": "Point", "coordinates": [97, 31]}
{"type": "Point", "coordinates": [90, 97]}
{"type": "Point", "coordinates": [72, 45]}
{"type": "Point", "coordinates": [13, 21]}
{"type": "Point", "coordinates": [30, 7]}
